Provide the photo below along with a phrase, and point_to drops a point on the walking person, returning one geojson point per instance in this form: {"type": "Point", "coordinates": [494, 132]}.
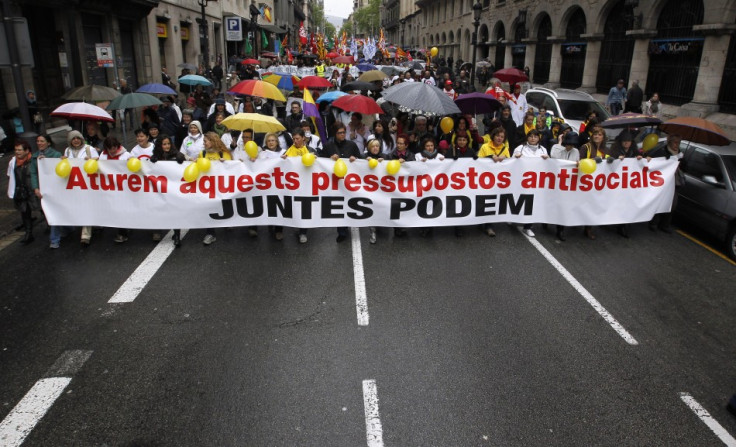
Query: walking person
{"type": "Point", "coordinates": [20, 188]}
{"type": "Point", "coordinates": [616, 98]}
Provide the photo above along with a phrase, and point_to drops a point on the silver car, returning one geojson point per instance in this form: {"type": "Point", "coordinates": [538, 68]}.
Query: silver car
{"type": "Point", "coordinates": [573, 106]}
{"type": "Point", "coordinates": [708, 198]}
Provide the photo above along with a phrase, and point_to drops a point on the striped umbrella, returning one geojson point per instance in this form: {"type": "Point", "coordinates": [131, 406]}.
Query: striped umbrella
{"type": "Point", "coordinates": [261, 89]}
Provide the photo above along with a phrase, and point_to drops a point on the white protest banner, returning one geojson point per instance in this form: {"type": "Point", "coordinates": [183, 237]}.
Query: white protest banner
{"type": "Point", "coordinates": [422, 194]}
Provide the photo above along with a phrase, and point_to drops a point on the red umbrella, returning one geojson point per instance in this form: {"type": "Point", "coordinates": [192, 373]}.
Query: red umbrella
{"type": "Point", "coordinates": [357, 103]}
{"type": "Point", "coordinates": [250, 62]}
{"type": "Point", "coordinates": [511, 75]}
{"type": "Point", "coordinates": [314, 82]}
{"type": "Point", "coordinates": [332, 55]}
{"type": "Point", "coordinates": [344, 60]}
{"type": "Point", "coordinates": [696, 130]}
{"type": "Point", "coordinates": [269, 55]}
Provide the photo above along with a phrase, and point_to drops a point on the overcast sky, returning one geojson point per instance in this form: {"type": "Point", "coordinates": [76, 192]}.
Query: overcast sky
{"type": "Point", "coordinates": [340, 8]}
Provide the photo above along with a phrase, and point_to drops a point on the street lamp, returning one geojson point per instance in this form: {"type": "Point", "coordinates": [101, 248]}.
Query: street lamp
{"type": "Point", "coordinates": [205, 32]}
{"type": "Point", "coordinates": [477, 7]}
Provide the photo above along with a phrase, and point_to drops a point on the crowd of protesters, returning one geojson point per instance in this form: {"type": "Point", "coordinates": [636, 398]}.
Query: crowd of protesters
{"type": "Point", "coordinates": [173, 133]}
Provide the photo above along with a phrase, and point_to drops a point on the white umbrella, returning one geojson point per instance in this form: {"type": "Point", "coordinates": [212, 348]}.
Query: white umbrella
{"type": "Point", "coordinates": [82, 111]}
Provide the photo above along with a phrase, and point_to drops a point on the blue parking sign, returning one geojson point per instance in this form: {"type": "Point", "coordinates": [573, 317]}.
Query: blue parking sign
{"type": "Point", "coordinates": [233, 29]}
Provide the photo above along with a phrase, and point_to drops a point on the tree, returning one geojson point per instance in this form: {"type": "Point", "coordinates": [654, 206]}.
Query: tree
{"type": "Point", "coordinates": [347, 27]}
{"type": "Point", "coordinates": [368, 19]}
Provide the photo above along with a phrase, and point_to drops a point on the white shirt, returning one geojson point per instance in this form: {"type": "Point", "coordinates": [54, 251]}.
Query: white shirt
{"type": "Point", "coordinates": [82, 152]}
{"type": "Point", "coordinates": [527, 150]}
{"type": "Point", "coordinates": [267, 154]}
{"type": "Point", "coordinates": [192, 146]}
{"type": "Point", "coordinates": [142, 152]}
{"type": "Point", "coordinates": [518, 109]}
{"type": "Point", "coordinates": [559, 152]}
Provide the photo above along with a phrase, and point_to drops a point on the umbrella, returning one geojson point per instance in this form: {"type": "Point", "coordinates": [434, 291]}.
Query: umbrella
{"type": "Point", "coordinates": [359, 85]}
{"type": "Point", "coordinates": [483, 64]}
{"type": "Point", "coordinates": [332, 55]}
{"type": "Point", "coordinates": [390, 71]}
{"type": "Point", "coordinates": [314, 82]}
{"type": "Point", "coordinates": [250, 62]}
{"type": "Point", "coordinates": [254, 87]}
{"type": "Point", "coordinates": [269, 55]}
{"type": "Point", "coordinates": [284, 81]}
{"type": "Point", "coordinates": [372, 75]}
{"type": "Point", "coordinates": [187, 66]}
{"type": "Point", "coordinates": [422, 97]}
{"type": "Point", "coordinates": [357, 103]}
{"type": "Point", "coordinates": [366, 67]}
{"type": "Point", "coordinates": [82, 111]}
{"type": "Point", "coordinates": [414, 65]}
{"type": "Point", "coordinates": [156, 89]}
{"type": "Point", "coordinates": [330, 96]}
{"type": "Point", "coordinates": [475, 103]}
{"type": "Point", "coordinates": [194, 80]}
{"type": "Point", "coordinates": [344, 60]}
{"type": "Point", "coordinates": [511, 75]}
{"type": "Point", "coordinates": [259, 123]}
{"type": "Point", "coordinates": [95, 93]}
{"type": "Point", "coordinates": [309, 56]}
{"type": "Point", "coordinates": [696, 130]}
{"type": "Point", "coordinates": [133, 100]}
{"type": "Point", "coordinates": [630, 120]}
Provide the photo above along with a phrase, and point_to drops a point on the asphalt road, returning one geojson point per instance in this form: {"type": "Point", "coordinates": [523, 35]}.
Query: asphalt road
{"type": "Point", "coordinates": [471, 341]}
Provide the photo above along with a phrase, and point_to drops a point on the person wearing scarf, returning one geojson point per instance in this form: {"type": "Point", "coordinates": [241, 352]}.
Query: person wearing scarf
{"type": "Point", "coordinates": [462, 128]}
{"type": "Point", "coordinates": [20, 189]}
{"type": "Point", "coordinates": [218, 128]}
{"type": "Point", "coordinates": [523, 130]}
{"type": "Point", "coordinates": [530, 149]}
{"type": "Point", "coordinates": [78, 149]}
{"type": "Point", "coordinates": [653, 107]}
{"type": "Point", "coordinates": [460, 149]}
{"type": "Point", "coordinates": [402, 152]}
{"type": "Point", "coordinates": [497, 148]}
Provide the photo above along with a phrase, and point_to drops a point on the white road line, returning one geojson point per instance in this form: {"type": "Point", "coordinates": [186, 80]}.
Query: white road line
{"type": "Point", "coordinates": [22, 419]}
{"type": "Point", "coordinates": [374, 431]}
{"type": "Point", "coordinates": [139, 278]}
{"type": "Point", "coordinates": [583, 291]}
{"type": "Point", "coordinates": [708, 420]}
{"type": "Point", "coordinates": [361, 301]}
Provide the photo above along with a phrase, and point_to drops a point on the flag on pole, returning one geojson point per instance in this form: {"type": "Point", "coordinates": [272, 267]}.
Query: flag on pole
{"type": "Point", "coordinates": [302, 34]}
{"type": "Point", "coordinates": [310, 109]}
{"type": "Point", "coordinates": [248, 46]}
{"type": "Point", "coordinates": [285, 43]}
{"type": "Point", "coordinates": [264, 39]}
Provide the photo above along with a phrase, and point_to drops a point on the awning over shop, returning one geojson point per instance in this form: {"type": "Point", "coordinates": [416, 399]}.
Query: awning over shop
{"type": "Point", "coordinates": [299, 14]}
{"type": "Point", "coordinates": [273, 29]}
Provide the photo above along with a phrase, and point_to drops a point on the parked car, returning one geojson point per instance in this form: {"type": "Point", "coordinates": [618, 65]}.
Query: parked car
{"type": "Point", "coordinates": [571, 105]}
{"type": "Point", "coordinates": [708, 198]}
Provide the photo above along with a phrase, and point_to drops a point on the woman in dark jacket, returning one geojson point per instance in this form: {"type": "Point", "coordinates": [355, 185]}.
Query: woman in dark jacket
{"type": "Point", "coordinates": [24, 199]}
{"type": "Point", "coordinates": [165, 150]}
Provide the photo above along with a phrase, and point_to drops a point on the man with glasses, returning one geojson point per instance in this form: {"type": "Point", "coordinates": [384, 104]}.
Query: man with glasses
{"type": "Point", "coordinates": [341, 147]}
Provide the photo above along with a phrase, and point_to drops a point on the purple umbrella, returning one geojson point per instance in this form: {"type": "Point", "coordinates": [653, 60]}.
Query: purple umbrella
{"type": "Point", "coordinates": [475, 103]}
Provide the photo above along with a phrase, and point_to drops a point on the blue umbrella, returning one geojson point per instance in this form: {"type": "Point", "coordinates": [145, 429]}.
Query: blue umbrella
{"type": "Point", "coordinates": [156, 89]}
{"type": "Point", "coordinates": [194, 80]}
{"type": "Point", "coordinates": [330, 96]}
{"type": "Point", "coordinates": [366, 67]}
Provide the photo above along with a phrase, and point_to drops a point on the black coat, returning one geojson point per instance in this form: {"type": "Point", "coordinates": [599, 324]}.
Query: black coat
{"type": "Point", "coordinates": [343, 149]}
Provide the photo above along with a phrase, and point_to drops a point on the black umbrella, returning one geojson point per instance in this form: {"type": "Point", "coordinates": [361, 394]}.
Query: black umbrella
{"type": "Point", "coordinates": [626, 120]}
{"type": "Point", "coordinates": [359, 85]}
{"type": "Point", "coordinates": [415, 65]}
{"type": "Point", "coordinates": [391, 71]}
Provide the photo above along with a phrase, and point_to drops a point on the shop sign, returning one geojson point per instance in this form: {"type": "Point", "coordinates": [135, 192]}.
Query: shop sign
{"type": "Point", "coordinates": [674, 46]}
{"type": "Point", "coordinates": [162, 30]}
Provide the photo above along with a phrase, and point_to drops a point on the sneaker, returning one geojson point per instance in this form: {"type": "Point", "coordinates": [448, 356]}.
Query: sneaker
{"type": "Point", "coordinates": [340, 238]}
{"type": "Point", "coordinates": [54, 245]}
{"type": "Point", "coordinates": [156, 237]}
{"type": "Point", "coordinates": [120, 239]}
{"type": "Point", "coordinates": [252, 232]}
{"type": "Point", "coordinates": [85, 243]}
{"type": "Point", "coordinates": [372, 239]}
{"type": "Point", "coordinates": [279, 235]}
{"type": "Point", "coordinates": [529, 232]}
{"type": "Point", "coordinates": [490, 232]}
{"type": "Point", "coordinates": [208, 239]}
{"type": "Point", "coordinates": [302, 238]}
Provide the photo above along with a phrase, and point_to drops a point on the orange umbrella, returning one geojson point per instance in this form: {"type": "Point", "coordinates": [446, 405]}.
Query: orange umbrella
{"type": "Point", "coordinates": [258, 88]}
{"type": "Point", "coordinates": [696, 130]}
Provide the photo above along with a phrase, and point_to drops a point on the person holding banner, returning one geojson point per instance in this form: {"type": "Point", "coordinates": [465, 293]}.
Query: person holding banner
{"type": "Point", "coordinates": [373, 152]}
{"type": "Point", "coordinates": [215, 150]}
{"type": "Point", "coordinates": [341, 147]}
{"type": "Point", "coordinates": [671, 149]}
{"type": "Point", "coordinates": [297, 149]}
{"type": "Point", "coordinates": [531, 148]}
{"type": "Point", "coordinates": [78, 149]}
{"type": "Point", "coordinates": [193, 143]}
{"type": "Point", "coordinates": [595, 149]}
{"type": "Point", "coordinates": [498, 150]}
{"type": "Point", "coordinates": [165, 150]}
{"type": "Point", "coordinates": [566, 149]}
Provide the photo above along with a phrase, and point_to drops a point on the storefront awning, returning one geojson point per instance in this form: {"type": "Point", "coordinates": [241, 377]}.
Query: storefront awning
{"type": "Point", "coordinates": [299, 14]}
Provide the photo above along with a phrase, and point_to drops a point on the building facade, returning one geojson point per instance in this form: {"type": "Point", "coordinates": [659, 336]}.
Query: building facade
{"type": "Point", "coordinates": [682, 49]}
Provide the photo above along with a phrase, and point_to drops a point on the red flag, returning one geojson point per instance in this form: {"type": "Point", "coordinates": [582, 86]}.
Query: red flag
{"type": "Point", "coordinates": [302, 34]}
{"type": "Point", "coordinates": [289, 56]}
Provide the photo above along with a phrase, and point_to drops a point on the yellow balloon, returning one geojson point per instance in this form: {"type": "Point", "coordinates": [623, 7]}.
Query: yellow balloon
{"type": "Point", "coordinates": [650, 141]}
{"type": "Point", "coordinates": [191, 172]}
{"type": "Point", "coordinates": [372, 163]}
{"type": "Point", "coordinates": [393, 166]}
{"type": "Point", "coordinates": [587, 166]}
{"type": "Point", "coordinates": [434, 51]}
{"type": "Point", "coordinates": [340, 168]}
{"type": "Point", "coordinates": [308, 159]}
{"type": "Point", "coordinates": [134, 164]}
{"type": "Point", "coordinates": [447, 124]}
{"type": "Point", "coordinates": [90, 166]}
{"type": "Point", "coordinates": [63, 168]}
{"type": "Point", "coordinates": [203, 164]}
{"type": "Point", "coordinates": [251, 148]}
